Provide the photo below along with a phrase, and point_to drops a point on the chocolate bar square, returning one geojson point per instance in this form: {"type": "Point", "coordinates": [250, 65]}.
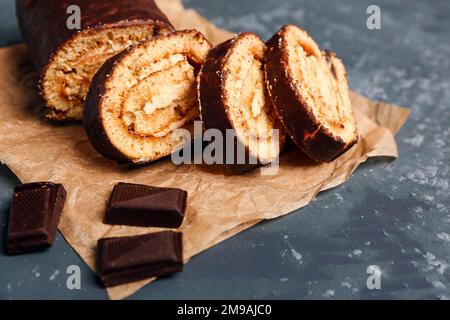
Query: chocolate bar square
{"type": "Point", "coordinates": [34, 218]}
{"type": "Point", "coordinates": [129, 259]}
{"type": "Point", "coordinates": [146, 206]}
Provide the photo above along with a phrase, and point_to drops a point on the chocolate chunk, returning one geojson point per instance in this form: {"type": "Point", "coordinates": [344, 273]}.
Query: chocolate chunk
{"type": "Point", "coordinates": [146, 206]}
{"type": "Point", "coordinates": [35, 214]}
{"type": "Point", "coordinates": [129, 259]}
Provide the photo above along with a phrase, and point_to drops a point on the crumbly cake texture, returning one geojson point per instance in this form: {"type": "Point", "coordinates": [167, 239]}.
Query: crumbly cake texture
{"type": "Point", "coordinates": [233, 95]}
{"type": "Point", "coordinates": [309, 91]}
{"type": "Point", "coordinates": [141, 96]}
{"type": "Point", "coordinates": [67, 59]}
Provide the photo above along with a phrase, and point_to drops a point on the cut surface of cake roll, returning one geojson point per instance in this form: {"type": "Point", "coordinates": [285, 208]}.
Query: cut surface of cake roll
{"type": "Point", "coordinates": [233, 96]}
{"type": "Point", "coordinates": [309, 90]}
{"type": "Point", "coordinates": [66, 57]}
{"type": "Point", "coordinates": [141, 96]}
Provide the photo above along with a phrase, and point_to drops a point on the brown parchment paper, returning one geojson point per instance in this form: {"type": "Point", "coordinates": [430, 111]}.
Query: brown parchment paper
{"type": "Point", "coordinates": [219, 205]}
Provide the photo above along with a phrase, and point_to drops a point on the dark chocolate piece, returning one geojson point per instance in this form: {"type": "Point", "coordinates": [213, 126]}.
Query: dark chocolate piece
{"type": "Point", "coordinates": [44, 26]}
{"type": "Point", "coordinates": [145, 206]}
{"type": "Point", "coordinates": [35, 214]}
{"type": "Point", "coordinates": [129, 259]}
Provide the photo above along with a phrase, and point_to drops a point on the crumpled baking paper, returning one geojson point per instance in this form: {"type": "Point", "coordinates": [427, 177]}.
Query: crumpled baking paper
{"type": "Point", "coordinates": [219, 205]}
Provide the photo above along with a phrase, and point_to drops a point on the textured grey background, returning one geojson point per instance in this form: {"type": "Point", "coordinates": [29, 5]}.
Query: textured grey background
{"type": "Point", "coordinates": [392, 214]}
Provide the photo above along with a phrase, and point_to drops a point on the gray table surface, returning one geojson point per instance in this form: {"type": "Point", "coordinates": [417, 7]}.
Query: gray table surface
{"type": "Point", "coordinates": [394, 214]}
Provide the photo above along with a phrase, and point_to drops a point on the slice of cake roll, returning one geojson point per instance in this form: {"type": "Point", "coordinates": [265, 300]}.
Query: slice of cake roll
{"type": "Point", "coordinates": [141, 96]}
{"type": "Point", "coordinates": [309, 91]}
{"type": "Point", "coordinates": [233, 97]}
{"type": "Point", "coordinates": [69, 40]}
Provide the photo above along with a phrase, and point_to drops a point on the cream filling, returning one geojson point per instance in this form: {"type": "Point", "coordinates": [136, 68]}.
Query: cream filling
{"type": "Point", "coordinates": [161, 102]}
{"type": "Point", "coordinates": [324, 92]}
{"type": "Point", "coordinates": [321, 89]}
{"type": "Point", "coordinates": [256, 122]}
{"type": "Point", "coordinates": [250, 110]}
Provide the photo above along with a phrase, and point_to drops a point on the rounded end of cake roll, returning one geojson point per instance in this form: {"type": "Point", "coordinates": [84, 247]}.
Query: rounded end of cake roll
{"type": "Point", "coordinates": [139, 98]}
{"type": "Point", "coordinates": [233, 98]}
{"type": "Point", "coordinates": [309, 90]}
{"type": "Point", "coordinates": [66, 78]}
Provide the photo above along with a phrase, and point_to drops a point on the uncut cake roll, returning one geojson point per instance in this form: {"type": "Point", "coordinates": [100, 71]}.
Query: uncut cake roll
{"type": "Point", "coordinates": [66, 57]}
{"type": "Point", "coordinates": [310, 93]}
{"type": "Point", "coordinates": [139, 98]}
{"type": "Point", "coordinates": [233, 96]}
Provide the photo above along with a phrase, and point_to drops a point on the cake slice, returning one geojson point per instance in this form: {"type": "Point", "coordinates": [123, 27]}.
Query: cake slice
{"type": "Point", "coordinates": [67, 58]}
{"type": "Point", "coordinates": [309, 91]}
{"type": "Point", "coordinates": [233, 96]}
{"type": "Point", "coordinates": [141, 96]}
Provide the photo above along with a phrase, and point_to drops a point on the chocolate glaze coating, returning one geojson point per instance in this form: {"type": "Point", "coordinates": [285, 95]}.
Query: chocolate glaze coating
{"type": "Point", "coordinates": [293, 111]}
{"type": "Point", "coordinates": [213, 106]}
{"type": "Point", "coordinates": [44, 29]}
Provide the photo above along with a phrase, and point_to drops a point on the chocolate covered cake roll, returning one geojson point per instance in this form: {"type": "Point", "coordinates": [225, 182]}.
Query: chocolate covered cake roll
{"type": "Point", "coordinates": [233, 96]}
{"type": "Point", "coordinates": [141, 96]}
{"type": "Point", "coordinates": [66, 57]}
{"type": "Point", "coordinates": [309, 90]}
